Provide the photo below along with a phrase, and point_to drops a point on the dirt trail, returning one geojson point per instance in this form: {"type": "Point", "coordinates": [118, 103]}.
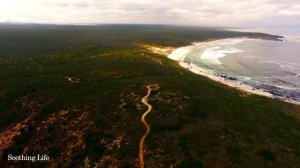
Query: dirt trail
{"type": "Point", "coordinates": [71, 79]}
{"type": "Point", "coordinates": [68, 78]}
{"type": "Point", "coordinates": [145, 101]}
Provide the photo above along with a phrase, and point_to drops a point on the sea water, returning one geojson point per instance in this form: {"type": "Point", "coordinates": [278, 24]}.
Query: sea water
{"type": "Point", "coordinates": [272, 66]}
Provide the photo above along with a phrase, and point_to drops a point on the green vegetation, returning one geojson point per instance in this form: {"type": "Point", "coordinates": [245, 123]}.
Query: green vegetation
{"type": "Point", "coordinates": [32, 39]}
{"type": "Point", "coordinates": [195, 122]}
{"type": "Point", "coordinates": [266, 154]}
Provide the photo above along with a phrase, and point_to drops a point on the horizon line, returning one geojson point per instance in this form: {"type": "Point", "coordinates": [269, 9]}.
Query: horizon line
{"type": "Point", "coordinates": [153, 24]}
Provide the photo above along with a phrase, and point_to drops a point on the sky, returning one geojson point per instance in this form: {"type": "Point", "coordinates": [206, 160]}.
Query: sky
{"type": "Point", "coordinates": [226, 13]}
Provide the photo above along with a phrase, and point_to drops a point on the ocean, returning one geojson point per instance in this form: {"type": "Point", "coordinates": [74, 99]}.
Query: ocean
{"type": "Point", "coordinates": [270, 66]}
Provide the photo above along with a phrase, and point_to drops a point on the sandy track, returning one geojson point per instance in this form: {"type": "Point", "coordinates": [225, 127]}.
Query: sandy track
{"type": "Point", "coordinates": [142, 141]}
{"type": "Point", "coordinates": [71, 79]}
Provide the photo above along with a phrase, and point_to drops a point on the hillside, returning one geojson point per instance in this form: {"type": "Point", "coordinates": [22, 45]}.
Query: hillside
{"type": "Point", "coordinates": [81, 105]}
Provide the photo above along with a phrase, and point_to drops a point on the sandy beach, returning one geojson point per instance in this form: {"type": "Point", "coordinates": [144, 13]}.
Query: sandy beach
{"type": "Point", "coordinates": [179, 55]}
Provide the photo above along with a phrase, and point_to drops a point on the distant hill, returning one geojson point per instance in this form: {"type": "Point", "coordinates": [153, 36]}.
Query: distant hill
{"type": "Point", "coordinates": [24, 39]}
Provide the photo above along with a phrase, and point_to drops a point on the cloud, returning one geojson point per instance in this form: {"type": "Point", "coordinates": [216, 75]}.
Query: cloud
{"type": "Point", "coordinates": [238, 13]}
{"type": "Point", "coordinates": [289, 12]}
{"type": "Point", "coordinates": [292, 11]}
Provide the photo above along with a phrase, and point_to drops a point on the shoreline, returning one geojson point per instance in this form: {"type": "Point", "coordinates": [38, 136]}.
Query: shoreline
{"type": "Point", "coordinates": [179, 55]}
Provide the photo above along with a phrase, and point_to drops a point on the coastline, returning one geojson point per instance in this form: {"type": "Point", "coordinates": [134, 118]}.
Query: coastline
{"type": "Point", "coordinates": [179, 55]}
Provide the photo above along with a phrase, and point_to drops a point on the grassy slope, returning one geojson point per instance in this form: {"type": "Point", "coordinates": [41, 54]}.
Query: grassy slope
{"type": "Point", "coordinates": [195, 122]}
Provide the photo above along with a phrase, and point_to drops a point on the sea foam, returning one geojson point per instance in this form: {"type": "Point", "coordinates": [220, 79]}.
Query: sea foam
{"type": "Point", "coordinates": [214, 54]}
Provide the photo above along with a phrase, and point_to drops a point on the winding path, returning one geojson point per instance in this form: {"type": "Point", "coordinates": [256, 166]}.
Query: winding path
{"type": "Point", "coordinates": [142, 141]}
{"type": "Point", "coordinates": [70, 79]}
